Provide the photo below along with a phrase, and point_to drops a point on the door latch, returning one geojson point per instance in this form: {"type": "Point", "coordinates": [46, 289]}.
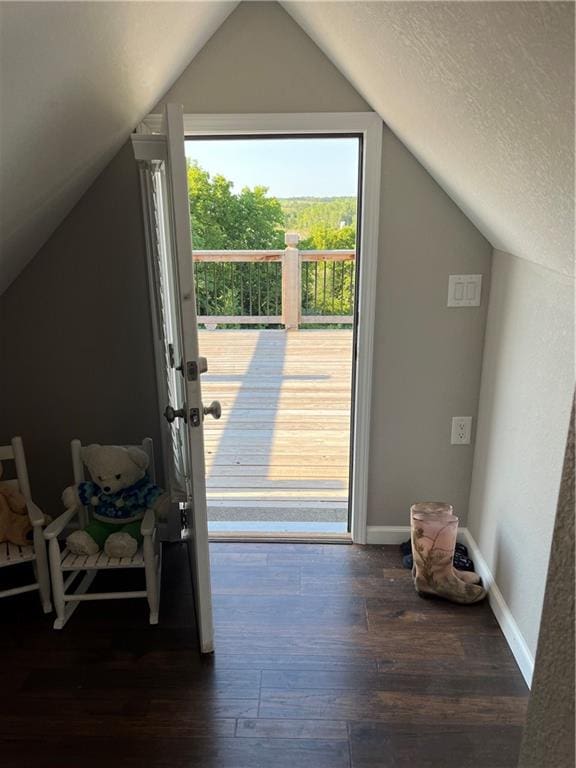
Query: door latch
{"type": "Point", "coordinates": [195, 367]}
{"type": "Point", "coordinates": [195, 418]}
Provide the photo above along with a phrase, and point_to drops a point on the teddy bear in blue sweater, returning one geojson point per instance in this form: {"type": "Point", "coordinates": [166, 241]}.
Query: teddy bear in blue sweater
{"type": "Point", "coordinates": [117, 497]}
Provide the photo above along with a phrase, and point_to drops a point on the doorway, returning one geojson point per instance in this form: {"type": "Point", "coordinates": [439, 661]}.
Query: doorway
{"type": "Point", "coordinates": [275, 223]}
{"type": "Point", "coordinates": [366, 126]}
{"type": "Point", "coordinates": [159, 148]}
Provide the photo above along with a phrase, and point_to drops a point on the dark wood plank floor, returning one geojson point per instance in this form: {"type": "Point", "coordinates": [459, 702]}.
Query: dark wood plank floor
{"type": "Point", "coordinates": [326, 658]}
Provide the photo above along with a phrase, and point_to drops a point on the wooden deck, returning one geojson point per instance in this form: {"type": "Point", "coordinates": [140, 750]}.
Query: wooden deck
{"type": "Point", "coordinates": [283, 440]}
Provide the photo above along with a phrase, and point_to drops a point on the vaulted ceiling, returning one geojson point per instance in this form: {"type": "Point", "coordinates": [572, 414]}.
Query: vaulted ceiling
{"type": "Point", "coordinates": [482, 93]}
{"type": "Point", "coordinates": [75, 79]}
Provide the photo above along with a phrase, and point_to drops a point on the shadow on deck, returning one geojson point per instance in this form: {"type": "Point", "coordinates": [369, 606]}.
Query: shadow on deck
{"type": "Point", "coordinates": [278, 459]}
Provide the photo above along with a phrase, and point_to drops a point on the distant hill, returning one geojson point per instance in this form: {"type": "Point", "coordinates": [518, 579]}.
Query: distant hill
{"type": "Point", "coordinates": [302, 213]}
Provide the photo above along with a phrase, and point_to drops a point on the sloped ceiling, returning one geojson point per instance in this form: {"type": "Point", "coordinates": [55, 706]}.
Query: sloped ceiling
{"type": "Point", "coordinates": [75, 78]}
{"type": "Point", "coordinates": [482, 93]}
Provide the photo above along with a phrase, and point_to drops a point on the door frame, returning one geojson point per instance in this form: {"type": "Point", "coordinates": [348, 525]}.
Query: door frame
{"type": "Point", "coordinates": [369, 125]}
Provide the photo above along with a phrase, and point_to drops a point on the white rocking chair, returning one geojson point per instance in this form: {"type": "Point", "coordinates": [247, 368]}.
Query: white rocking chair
{"type": "Point", "coordinates": [35, 553]}
{"type": "Point", "coordinates": [148, 556]}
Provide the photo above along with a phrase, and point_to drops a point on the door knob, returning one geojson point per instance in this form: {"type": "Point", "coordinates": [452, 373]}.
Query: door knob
{"type": "Point", "coordinates": [171, 414]}
{"type": "Point", "coordinates": [214, 409]}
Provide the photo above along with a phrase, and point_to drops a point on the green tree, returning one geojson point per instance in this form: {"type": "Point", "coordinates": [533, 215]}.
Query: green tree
{"type": "Point", "coordinates": [223, 220]}
{"type": "Point", "coordinates": [303, 213]}
{"type": "Point", "coordinates": [328, 286]}
{"type": "Point", "coordinates": [324, 238]}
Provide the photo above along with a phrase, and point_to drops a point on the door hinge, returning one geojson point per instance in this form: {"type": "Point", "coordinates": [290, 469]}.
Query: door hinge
{"type": "Point", "coordinates": [171, 358]}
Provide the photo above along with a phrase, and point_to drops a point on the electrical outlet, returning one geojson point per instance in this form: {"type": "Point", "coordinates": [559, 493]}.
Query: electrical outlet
{"type": "Point", "coordinates": [461, 430]}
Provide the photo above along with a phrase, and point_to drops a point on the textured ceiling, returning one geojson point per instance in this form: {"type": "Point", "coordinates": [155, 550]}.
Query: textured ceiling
{"type": "Point", "coordinates": [75, 78]}
{"type": "Point", "coordinates": [482, 93]}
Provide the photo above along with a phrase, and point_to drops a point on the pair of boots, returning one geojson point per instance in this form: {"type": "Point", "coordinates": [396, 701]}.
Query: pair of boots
{"type": "Point", "coordinates": [434, 527]}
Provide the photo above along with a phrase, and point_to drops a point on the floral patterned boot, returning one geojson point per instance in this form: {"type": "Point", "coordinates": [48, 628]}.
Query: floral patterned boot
{"type": "Point", "coordinates": [433, 542]}
{"type": "Point", "coordinates": [443, 510]}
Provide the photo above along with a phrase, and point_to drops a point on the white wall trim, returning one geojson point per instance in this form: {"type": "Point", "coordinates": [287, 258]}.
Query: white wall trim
{"type": "Point", "coordinates": [267, 123]}
{"type": "Point", "coordinates": [502, 612]}
{"type": "Point", "coordinates": [396, 534]}
{"type": "Point", "coordinates": [366, 321]}
{"type": "Point", "coordinates": [369, 126]}
{"type": "Point", "coordinates": [387, 534]}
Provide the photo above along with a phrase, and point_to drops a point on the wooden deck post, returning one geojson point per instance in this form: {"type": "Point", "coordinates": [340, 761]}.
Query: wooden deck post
{"type": "Point", "coordinates": [291, 282]}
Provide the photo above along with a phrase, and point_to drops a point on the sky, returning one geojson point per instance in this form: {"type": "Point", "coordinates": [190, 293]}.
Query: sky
{"type": "Point", "coordinates": [288, 167]}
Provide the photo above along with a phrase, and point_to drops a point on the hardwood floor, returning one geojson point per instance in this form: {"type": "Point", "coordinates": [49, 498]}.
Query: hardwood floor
{"type": "Point", "coordinates": [326, 658]}
{"type": "Point", "coordinates": [282, 444]}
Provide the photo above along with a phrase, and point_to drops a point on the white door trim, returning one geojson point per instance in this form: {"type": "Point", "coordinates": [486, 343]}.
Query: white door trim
{"type": "Point", "coordinates": [369, 126]}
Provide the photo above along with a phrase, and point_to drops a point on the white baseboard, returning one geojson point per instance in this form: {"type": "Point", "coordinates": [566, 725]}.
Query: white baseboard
{"type": "Point", "coordinates": [396, 534]}
{"type": "Point", "coordinates": [510, 629]}
{"type": "Point", "coordinates": [387, 534]}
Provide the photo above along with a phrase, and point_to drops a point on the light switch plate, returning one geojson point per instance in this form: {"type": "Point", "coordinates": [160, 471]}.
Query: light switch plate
{"type": "Point", "coordinates": [464, 290]}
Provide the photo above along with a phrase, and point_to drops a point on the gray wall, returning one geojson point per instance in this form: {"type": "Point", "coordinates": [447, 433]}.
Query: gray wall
{"type": "Point", "coordinates": [261, 61]}
{"type": "Point", "coordinates": [427, 357]}
{"type": "Point", "coordinates": [482, 93]}
{"type": "Point", "coordinates": [549, 734]}
{"type": "Point", "coordinates": [526, 392]}
{"type": "Point", "coordinates": [95, 351]}
{"type": "Point", "coordinates": [77, 335]}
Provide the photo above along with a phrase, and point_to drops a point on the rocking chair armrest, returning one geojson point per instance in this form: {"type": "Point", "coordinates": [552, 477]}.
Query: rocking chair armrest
{"type": "Point", "coordinates": [148, 523]}
{"type": "Point", "coordinates": [35, 514]}
{"type": "Point", "coordinates": [57, 526]}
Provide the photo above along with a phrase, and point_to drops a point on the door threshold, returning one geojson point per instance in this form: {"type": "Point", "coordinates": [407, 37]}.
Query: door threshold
{"type": "Point", "coordinates": [281, 537]}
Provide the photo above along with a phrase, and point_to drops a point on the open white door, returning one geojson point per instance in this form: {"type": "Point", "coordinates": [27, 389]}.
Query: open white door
{"type": "Point", "coordinates": [162, 163]}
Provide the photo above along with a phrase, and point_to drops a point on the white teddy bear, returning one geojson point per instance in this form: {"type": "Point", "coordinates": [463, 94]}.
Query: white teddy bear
{"type": "Point", "coordinates": [118, 495]}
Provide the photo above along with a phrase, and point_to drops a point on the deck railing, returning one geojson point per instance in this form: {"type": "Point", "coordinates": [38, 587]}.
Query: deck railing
{"type": "Point", "coordinates": [289, 287]}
